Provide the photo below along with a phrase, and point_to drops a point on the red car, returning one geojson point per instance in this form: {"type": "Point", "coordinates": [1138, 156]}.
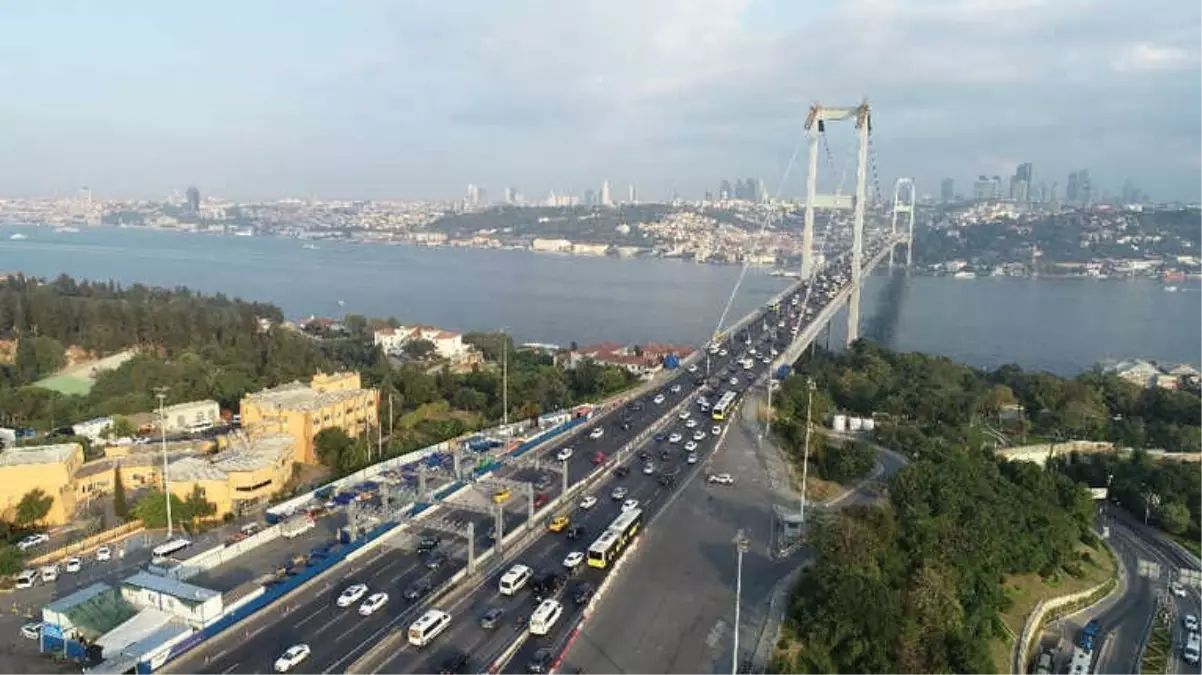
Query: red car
{"type": "Point", "coordinates": [541, 499]}
{"type": "Point", "coordinates": [598, 458]}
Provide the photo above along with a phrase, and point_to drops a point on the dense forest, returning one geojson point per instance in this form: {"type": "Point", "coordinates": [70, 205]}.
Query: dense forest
{"type": "Point", "coordinates": [915, 584]}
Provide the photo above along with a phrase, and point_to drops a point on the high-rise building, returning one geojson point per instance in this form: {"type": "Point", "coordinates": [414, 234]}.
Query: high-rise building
{"type": "Point", "coordinates": [590, 198]}
{"type": "Point", "coordinates": [632, 196]}
{"type": "Point", "coordinates": [724, 190]}
{"type": "Point", "coordinates": [1020, 183]}
{"type": "Point", "coordinates": [473, 195]}
{"type": "Point", "coordinates": [947, 191]}
{"type": "Point", "coordinates": [981, 189]}
{"type": "Point", "coordinates": [193, 200]}
{"type": "Point", "coordinates": [1079, 191]}
{"type": "Point", "coordinates": [761, 190]}
{"type": "Point", "coordinates": [606, 199]}
{"type": "Point", "coordinates": [510, 195]}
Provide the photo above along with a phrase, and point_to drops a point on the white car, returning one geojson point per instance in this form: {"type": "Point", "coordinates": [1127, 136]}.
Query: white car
{"type": "Point", "coordinates": [693, 368]}
{"type": "Point", "coordinates": [1191, 623]}
{"type": "Point", "coordinates": [648, 469]}
{"type": "Point", "coordinates": [676, 389]}
{"type": "Point", "coordinates": [690, 446]}
{"type": "Point", "coordinates": [690, 423]}
{"type": "Point", "coordinates": [597, 433]}
{"type": "Point", "coordinates": [630, 504]}
{"type": "Point", "coordinates": [1177, 589]}
{"type": "Point", "coordinates": [699, 435]}
{"type": "Point", "coordinates": [74, 565]}
{"type": "Point", "coordinates": [352, 595]}
{"type": "Point", "coordinates": [780, 324]}
{"type": "Point", "coordinates": [32, 631]}
{"type": "Point", "coordinates": [49, 573]}
{"type": "Point", "coordinates": [675, 438]}
{"type": "Point", "coordinates": [659, 398]}
{"type": "Point", "coordinates": [588, 502]}
{"type": "Point", "coordinates": [715, 430]}
{"type": "Point", "coordinates": [685, 414]}
{"type": "Point", "coordinates": [573, 560]}
{"type": "Point", "coordinates": [564, 454]}
{"type": "Point", "coordinates": [692, 458]}
{"type": "Point", "coordinates": [734, 381]}
{"type": "Point", "coordinates": [722, 352]}
{"type": "Point", "coordinates": [104, 553]}
{"type": "Point", "coordinates": [373, 602]}
{"type": "Point", "coordinates": [721, 479]}
{"type": "Point", "coordinates": [765, 360]}
{"type": "Point", "coordinates": [619, 493]}
{"type": "Point", "coordinates": [292, 658]}
{"type": "Point", "coordinates": [33, 540]}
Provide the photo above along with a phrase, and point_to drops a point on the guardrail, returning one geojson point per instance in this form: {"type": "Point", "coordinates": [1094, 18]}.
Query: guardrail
{"type": "Point", "coordinates": [85, 545]}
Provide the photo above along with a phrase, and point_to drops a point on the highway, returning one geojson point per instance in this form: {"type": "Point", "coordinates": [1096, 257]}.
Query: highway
{"type": "Point", "coordinates": [339, 636]}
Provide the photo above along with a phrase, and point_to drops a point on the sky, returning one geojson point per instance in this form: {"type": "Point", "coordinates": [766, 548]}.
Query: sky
{"type": "Point", "coordinates": [396, 99]}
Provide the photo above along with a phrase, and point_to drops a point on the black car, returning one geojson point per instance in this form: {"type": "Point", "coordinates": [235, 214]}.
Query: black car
{"type": "Point", "coordinates": [454, 664]}
{"type": "Point", "coordinates": [540, 662]}
{"type": "Point", "coordinates": [667, 481]}
{"type": "Point", "coordinates": [583, 593]}
{"type": "Point", "coordinates": [575, 532]}
{"type": "Point", "coordinates": [637, 406]}
{"type": "Point", "coordinates": [546, 586]}
{"type": "Point", "coordinates": [622, 471]}
{"type": "Point", "coordinates": [418, 589]}
{"type": "Point", "coordinates": [436, 560]}
{"type": "Point", "coordinates": [626, 424]}
{"type": "Point", "coordinates": [491, 618]}
{"type": "Point", "coordinates": [699, 381]}
{"type": "Point", "coordinates": [428, 544]}
{"type": "Point", "coordinates": [660, 437]}
{"type": "Point", "coordinates": [544, 482]}
{"type": "Point", "coordinates": [665, 456]}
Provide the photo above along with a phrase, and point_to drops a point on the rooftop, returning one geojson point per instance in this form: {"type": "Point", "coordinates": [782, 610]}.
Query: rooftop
{"type": "Point", "coordinates": [38, 454]}
{"type": "Point", "coordinates": [298, 396]}
{"type": "Point", "coordinates": [244, 454]}
{"type": "Point", "coordinates": [177, 589]}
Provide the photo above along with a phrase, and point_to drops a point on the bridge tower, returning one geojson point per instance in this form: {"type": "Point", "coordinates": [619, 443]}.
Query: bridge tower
{"type": "Point", "coordinates": [815, 126]}
{"type": "Point", "coordinates": [903, 186]}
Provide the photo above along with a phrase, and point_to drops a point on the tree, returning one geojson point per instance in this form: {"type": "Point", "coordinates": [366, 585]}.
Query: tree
{"type": "Point", "coordinates": [419, 349]}
{"type": "Point", "coordinates": [120, 507]}
{"type": "Point", "coordinates": [33, 507]}
{"type": "Point", "coordinates": [11, 559]}
{"type": "Point", "coordinates": [121, 427]}
{"type": "Point", "coordinates": [38, 356]}
{"type": "Point", "coordinates": [333, 446]}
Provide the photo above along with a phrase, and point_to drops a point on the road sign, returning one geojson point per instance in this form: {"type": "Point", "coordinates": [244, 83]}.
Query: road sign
{"type": "Point", "coordinates": [1148, 569]}
{"type": "Point", "coordinates": [1190, 577]}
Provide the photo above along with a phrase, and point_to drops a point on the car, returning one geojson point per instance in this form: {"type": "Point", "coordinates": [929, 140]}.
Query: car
{"type": "Point", "coordinates": [596, 433]}
{"type": "Point", "coordinates": [490, 619]}
{"type": "Point", "coordinates": [648, 469]}
{"type": "Point", "coordinates": [599, 458]}
{"type": "Point", "coordinates": [644, 456]}
{"type": "Point", "coordinates": [454, 664]}
{"type": "Point", "coordinates": [352, 595]}
{"type": "Point", "coordinates": [540, 662]}
{"type": "Point", "coordinates": [690, 446]}
{"type": "Point", "coordinates": [49, 573]}
{"type": "Point", "coordinates": [693, 368]}
{"type": "Point", "coordinates": [428, 544]}
{"type": "Point", "coordinates": [699, 435]}
{"type": "Point", "coordinates": [546, 586]}
{"type": "Point", "coordinates": [723, 352]}
{"type": "Point", "coordinates": [292, 658]}
{"type": "Point", "coordinates": [765, 360]}
{"type": "Point", "coordinates": [630, 504]}
{"type": "Point", "coordinates": [780, 324]}
{"type": "Point", "coordinates": [660, 437]}
{"type": "Point", "coordinates": [734, 381]}
{"type": "Point", "coordinates": [418, 589]}
{"type": "Point", "coordinates": [1191, 623]}
{"type": "Point", "coordinates": [715, 430]}
{"type": "Point", "coordinates": [501, 496]}
{"type": "Point", "coordinates": [32, 540]}
{"type": "Point", "coordinates": [104, 554]}
{"type": "Point", "coordinates": [685, 414]}
{"type": "Point", "coordinates": [665, 456]}
{"type": "Point", "coordinates": [436, 561]}
{"type": "Point", "coordinates": [721, 479]}
{"type": "Point", "coordinates": [541, 499]}
{"type": "Point", "coordinates": [583, 593]}
{"type": "Point", "coordinates": [675, 438]}
{"type": "Point", "coordinates": [73, 565]}
{"type": "Point", "coordinates": [622, 471]}
{"type": "Point", "coordinates": [666, 480]}
{"type": "Point", "coordinates": [658, 400]}
{"type": "Point", "coordinates": [1178, 589]}
{"type": "Point", "coordinates": [559, 524]}
{"type": "Point", "coordinates": [32, 631]}
{"type": "Point", "coordinates": [676, 389]}
{"type": "Point", "coordinates": [690, 423]}
{"type": "Point", "coordinates": [619, 493]}
{"type": "Point", "coordinates": [575, 532]}
{"type": "Point", "coordinates": [573, 560]}
{"type": "Point", "coordinates": [564, 454]}
{"type": "Point", "coordinates": [543, 482]}
{"type": "Point", "coordinates": [373, 602]}
{"type": "Point", "coordinates": [692, 458]}
{"type": "Point", "coordinates": [588, 502]}
{"type": "Point", "coordinates": [636, 406]}
{"type": "Point", "coordinates": [627, 423]}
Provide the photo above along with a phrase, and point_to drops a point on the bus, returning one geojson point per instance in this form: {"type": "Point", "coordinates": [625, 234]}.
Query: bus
{"type": "Point", "coordinates": [174, 546]}
{"type": "Point", "coordinates": [724, 405]}
{"type": "Point", "coordinates": [615, 539]}
{"type": "Point", "coordinates": [545, 616]}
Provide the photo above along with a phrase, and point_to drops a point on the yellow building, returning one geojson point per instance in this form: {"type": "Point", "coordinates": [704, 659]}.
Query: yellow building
{"type": "Point", "coordinates": [301, 411]}
{"type": "Point", "coordinates": [237, 479]}
{"type": "Point", "coordinates": [48, 467]}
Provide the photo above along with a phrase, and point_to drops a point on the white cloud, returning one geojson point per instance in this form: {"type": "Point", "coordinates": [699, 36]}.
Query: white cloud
{"type": "Point", "coordinates": [1143, 56]}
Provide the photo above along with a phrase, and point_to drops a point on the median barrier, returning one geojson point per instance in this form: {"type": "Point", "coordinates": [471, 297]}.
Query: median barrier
{"type": "Point", "coordinates": [87, 544]}
{"type": "Point", "coordinates": [221, 554]}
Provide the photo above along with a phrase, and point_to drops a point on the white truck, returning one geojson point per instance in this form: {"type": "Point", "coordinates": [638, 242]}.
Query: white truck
{"type": "Point", "coordinates": [296, 526]}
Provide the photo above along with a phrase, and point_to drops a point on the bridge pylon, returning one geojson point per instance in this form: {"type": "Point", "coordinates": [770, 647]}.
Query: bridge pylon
{"type": "Point", "coordinates": [903, 186]}
{"type": "Point", "coordinates": [815, 126]}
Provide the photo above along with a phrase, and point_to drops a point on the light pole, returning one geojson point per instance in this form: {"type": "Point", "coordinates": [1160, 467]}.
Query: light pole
{"type": "Point", "coordinates": [161, 394]}
{"type": "Point", "coordinates": [742, 545]}
{"type": "Point", "coordinates": [504, 378]}
{"type": "Point", "coordinates": [805, 463]}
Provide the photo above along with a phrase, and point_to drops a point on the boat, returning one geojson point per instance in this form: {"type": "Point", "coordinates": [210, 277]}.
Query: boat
{"type": "Point", "coordinates": [67, 230]}
{"type": "Point", "coordinates": [18, 237]}
{"type": "Point", "coordinates": [310, 247]}
{"type": "Point", "coordinates": [964, 275]}
{"type": "Point", "coordinates": [1171, 289]}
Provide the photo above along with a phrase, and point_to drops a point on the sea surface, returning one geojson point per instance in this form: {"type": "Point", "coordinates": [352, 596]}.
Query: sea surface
{"type": "Point", "coordinates": [1062, 325]}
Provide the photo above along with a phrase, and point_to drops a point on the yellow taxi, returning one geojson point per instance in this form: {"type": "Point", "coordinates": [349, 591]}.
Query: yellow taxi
{"type": "Point", "coordinates": [559, 524]}
{"type": "Point", "coordinates": [501, 496]}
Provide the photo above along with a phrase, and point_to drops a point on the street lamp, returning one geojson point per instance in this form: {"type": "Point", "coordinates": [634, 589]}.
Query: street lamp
{"type": "Point", "coordinates": [742, 545]}
{"type": "Point", "coordinates": [805, 463]}
{"type": "Point", "coordinates": [504, 377]}
{"type": "Point", "coordinates": [161, 394]}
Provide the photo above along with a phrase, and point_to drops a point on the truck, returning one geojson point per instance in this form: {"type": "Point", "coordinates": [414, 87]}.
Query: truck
{"type": "Point", "coordinates": [1083, 648]}
{"type": "Point", "coordinates": [296, 526]}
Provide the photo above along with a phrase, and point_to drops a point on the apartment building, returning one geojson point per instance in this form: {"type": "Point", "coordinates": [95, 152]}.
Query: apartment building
{"type": "Point", "coordinates": [303, 410]}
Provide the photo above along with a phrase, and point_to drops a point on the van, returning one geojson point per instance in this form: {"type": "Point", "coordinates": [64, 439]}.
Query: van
{"type": "Point", "coordinates": [27, 578]}
{"type": "Point", "coordinates": [545, 616]}
{"type": "Point", "coordinates": [1191, 650]}
{"type": "Point", "coordinates": [515, 579]}
{"type": "Point", "coordinates": [424, 630]}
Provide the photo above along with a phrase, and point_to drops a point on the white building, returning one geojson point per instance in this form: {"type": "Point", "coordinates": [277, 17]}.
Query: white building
{"type": "Point", "coordinates": [191, 604]}
{"type": "Point", "coordinates": [92, 429]}
{"type": "Point", "coordinates": [447, 344]}
{"type": "Point", "coordinates": [191, 416]}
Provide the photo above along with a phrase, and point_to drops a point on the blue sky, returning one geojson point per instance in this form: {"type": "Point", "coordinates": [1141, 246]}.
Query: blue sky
{"type": "Point", "coordinates": [382, 99]}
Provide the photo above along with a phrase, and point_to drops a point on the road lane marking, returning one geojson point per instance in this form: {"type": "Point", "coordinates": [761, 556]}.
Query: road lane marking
{"type": "Point", "coordinates": [230, 669]}
{"type": "Point", "coordinates": [307, 618]}
{"type": "Point", "coordinates": [326, 625]}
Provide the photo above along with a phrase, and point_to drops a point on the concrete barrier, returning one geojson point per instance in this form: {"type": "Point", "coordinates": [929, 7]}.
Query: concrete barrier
{"type": "Point", "coordinates": [88, 544]}
{"type": "Point", "coordinates": [221, 555]}
{"type": "Point", "coordinates": [1035, 621]}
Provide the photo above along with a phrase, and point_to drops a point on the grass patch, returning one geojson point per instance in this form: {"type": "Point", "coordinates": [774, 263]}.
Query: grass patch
{"type": "Point", "coordinates": [1026, 590]}
{"type": "Point", "coordinates": [1192, 545]}
{"type": "Point", "coordinates": [1160, 647]}
{"type": "Point", "coordinates": [66, 384]}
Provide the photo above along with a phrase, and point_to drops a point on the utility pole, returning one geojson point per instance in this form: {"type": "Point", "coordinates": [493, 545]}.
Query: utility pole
{"type": "Point", "coordinates": [161, 394]}
{"type": "Point", "coordinates": [768, 419]}
{"type": "Point", "coordinates": [504, 377]}
{"type": "Point", "coordinates": [742, 545]}
{"type": "Point", "coordinates": [805, 464]}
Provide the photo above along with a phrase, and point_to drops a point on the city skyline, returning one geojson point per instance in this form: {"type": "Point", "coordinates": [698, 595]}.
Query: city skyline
{"type": "Point", "coordinates": [665, 96]}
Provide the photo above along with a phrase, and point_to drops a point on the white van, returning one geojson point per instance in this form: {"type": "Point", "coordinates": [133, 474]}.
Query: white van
{"type": "Point", "coordinates": [1191, 650]}
{"type": "Point", "coordinates": [27, 578]}
{"type": "Point", "coordinates": [515, 579]}
{"type": "Point", "coordinates": [425, 629]}
{"type": "Point", "coordinates": [544, 618]}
